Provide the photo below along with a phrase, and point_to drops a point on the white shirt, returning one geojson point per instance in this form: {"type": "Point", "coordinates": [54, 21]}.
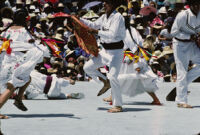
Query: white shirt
{"type": "Point", "coordinates": [111, 29]}
{"type": "Point", "coordinates": [128, 41]}
{"type": "Point", "coordinates": [186, 24]}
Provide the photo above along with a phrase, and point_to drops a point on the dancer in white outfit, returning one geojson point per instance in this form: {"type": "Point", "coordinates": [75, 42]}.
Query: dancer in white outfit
{"type": "Point", "coordinates": [112, 32]}
{"type": "Point", "coordinates": [136, 78]}
{"type": "Point", "coordinates": [185, 29]}
{"type": "Point", "coordinates": [49, 87]}
{"type": "Point", "coordinates": [17, 65]}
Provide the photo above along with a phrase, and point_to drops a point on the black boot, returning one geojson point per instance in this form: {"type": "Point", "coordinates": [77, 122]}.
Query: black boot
{"type": "Point", "coordinates": [172, 95]}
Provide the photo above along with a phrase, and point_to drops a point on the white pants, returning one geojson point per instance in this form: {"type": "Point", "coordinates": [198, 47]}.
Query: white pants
{"type": "Point", "coordinates": [112, 58]}
{"type": "Point", "coordinates": [183, 53]}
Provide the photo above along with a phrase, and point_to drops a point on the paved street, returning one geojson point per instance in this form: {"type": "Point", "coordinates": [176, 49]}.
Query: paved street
{"type": "Point", "coordinates": [88, 116]}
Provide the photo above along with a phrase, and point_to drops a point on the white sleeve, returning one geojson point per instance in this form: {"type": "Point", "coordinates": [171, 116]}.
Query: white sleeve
{"type": "Point", "coordinates": [95, 25]}
{"type": "Point", "coordinates": [179, 22]}
{"type": "Point", "coordinates": [117, 29]}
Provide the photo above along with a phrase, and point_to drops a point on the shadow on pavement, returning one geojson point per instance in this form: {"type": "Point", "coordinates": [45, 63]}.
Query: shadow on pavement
{"type": "Point", "coordinates": [137, 103]}
{"type": "Point", "coordinates": [126, 109]}
{"type": "Point", "coordinates": [42, 116]}
{"type": "Point", "coordinates": [196, 106]}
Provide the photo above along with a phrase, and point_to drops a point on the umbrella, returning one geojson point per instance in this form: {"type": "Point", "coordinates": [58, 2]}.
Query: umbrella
{"type": "Point", "coordinates": [147, 10]}
{"type": "Point", "coordinates": [61, 14]}
{"type": "Point", "coordinates": [90, 15]}
{"type": "Point", "coordinates": [91, 4]}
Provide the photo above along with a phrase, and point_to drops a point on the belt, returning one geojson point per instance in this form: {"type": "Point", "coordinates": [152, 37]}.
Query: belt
{"type": "Point", "coordinates": [48, 84]}
{"type": "Point", "coordinates": [183, 40]}
{"type": "Point", "coordinates": [112, 46]}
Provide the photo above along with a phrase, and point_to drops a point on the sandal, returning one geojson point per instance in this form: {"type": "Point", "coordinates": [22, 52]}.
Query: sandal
{"type": "Point", "coordinates": [108, 99]}
{"type": "Point", "coordinates": [184, 105]}
{"type": "Point", "coordinates": [115, 109]}
{"type": "Point", "coordinates": [19, 104]}
{"type": "Point", "coordinates": [3, 116]}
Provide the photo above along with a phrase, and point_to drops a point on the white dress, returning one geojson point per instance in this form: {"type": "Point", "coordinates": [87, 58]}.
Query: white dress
{"type": "Point", "coordinates": [136, 83]}
{"type": "Point", "coordinates": [133, 83]}
{"type": "Point", "coordinates": [128, 43]}
{"type": "Point", "coordinates": [17, 66]}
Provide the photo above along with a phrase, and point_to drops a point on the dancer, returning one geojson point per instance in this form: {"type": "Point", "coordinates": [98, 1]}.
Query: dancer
{"type": "Point", "coordinates": [111, 32]}
{"type": "Point", "coordinates": [18, 59]}
{"type": "Point", "coordinates": [135, 76]}
{"type": "Point", "coordinates": [185, 31]}
{"type": "Point", "coordinates": [49, 87]}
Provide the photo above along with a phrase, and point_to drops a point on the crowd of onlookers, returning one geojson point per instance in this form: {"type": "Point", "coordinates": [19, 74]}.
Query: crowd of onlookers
{"type": "Point", "coordinates": [48, 19]}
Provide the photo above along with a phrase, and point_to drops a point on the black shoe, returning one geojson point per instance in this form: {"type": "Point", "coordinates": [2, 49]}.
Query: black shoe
{"type": "Point", "coordinates": [19, 104]}
{"type": "Point", "coordinates": [172, 95]}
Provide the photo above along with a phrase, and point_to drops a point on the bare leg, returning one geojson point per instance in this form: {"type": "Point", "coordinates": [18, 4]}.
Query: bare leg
{"type": "Point", "coordinates": [6, 94]}
{"type": "Point", "coordinates": [156, 101]}
{"type": "Point", "coordinates": [22, 89]}
{"type": "Point", "coordinates": [18, 98]}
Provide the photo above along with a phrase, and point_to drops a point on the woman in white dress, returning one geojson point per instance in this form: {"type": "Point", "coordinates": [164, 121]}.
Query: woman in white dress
{"type": "Point", "coordinates": [17, 65]}
{"type": "Point", "coordinates": [136, 77]}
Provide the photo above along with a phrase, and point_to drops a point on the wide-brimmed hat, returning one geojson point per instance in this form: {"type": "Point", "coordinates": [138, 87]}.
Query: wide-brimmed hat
{"type": "Point", "coordinates": [60, 5]}
{"type": "Point", "coordinates": [167, 50]}
{"type": "Point", "coordinates": [36, 10]}
{"type": "Point", "coordinates": [38, 26]}
{"type": "Point", "coordinates": [162, 10]}
{"type": "Point", "coordinates": [44, 19]}
{"type": "Point", "coordinates": [156, 55]}
{"type": "Point", "coordinates": [71, 65]}
{"type": "Point", "coordinates": [19, 2]}
{"type": "Point", "coordinates": [156, 26]}
{"type": "Point", "coordinates": [122, 7]}
{"type": "Point", "coordinates": [32, 7]}
{"type": "Point", "coordinates": [58, 36]}
{"type": "Point", "coordinates": [28, 2]}
{"type": "Point", "coordinates": [132, 21]}
{"type": "Point", "coordinates": [46, 5]}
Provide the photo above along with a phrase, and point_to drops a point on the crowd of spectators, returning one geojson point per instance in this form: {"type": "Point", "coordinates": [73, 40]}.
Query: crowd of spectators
{"type": "Point", "coordinates": [154, 25]}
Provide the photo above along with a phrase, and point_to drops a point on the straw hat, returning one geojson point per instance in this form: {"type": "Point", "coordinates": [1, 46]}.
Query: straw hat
{"type": "Point", "coordinates": [51, 70]}
{"type": "Point", "coordinates": [162, 10]}
{"type": "Point", "coordinates": [19, 2]}
{"type": "Point", "coordinates": [71, 65]}
{"type": "Point", "coordinates": [121, 6]}
{"type": "Point", "coordinates": [156, 26]}
{"type": "Point", "coordinates": [167, 50]}
{"type": "Point", "coordinates": [28, 2]}
{"type": "Point", "coordinates": [60, 5]}
{"type": "Point", "coordinates": [43, 19]}
{"type": "Point", "coordinates": [32, 15]}
{"type": "Point", "coordinates": [46, 5]}
{"type": "Point", "coordinates": [140, 27]}
{"type": "Point", "coordinates": [124, 14]}
{"type": "Point", "coordinates": [38, 26]}
{"type": "Point", "coordinates": [37, 10]}
{"type": "Point", "coordinates": [132, 22]}
{"type": "Point", "coordinates": [32, 7]}
{"type": "Point", "coordinates": [50, 16]}
{"type": "Point", "coordinates": [58, 36]}
{"type": "Point", "coordinates": [156, 55]}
